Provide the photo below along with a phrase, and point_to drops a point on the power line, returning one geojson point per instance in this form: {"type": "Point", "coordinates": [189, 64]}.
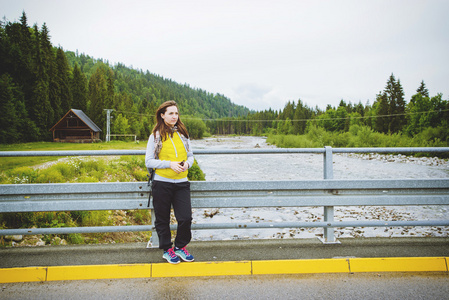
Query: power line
{"type": "Point", "coordinates": [131, 112]}
{"type": "Point", "coordinates": [298, 120]}
{"type": "Point", "coordinates": [317, 119]}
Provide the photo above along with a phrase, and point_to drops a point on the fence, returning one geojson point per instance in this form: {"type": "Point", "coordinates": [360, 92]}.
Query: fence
{"type": "Point", "coordinates": [326, 193]}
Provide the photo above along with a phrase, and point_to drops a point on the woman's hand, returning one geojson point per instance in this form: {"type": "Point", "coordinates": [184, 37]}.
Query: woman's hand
{"type": "Point", "coordinates": [177, 167]}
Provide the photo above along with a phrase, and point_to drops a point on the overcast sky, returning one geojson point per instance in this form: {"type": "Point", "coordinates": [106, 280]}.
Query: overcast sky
{"type": "Point", "coordinates": [261, 54]}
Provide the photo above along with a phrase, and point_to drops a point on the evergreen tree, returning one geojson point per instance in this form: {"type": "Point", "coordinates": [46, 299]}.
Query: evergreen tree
{"type": "Point", "coordinates": [25, 45]}
{"type": "Point", "coordinates": [101, 91]}
{"type": "Point", "coordinates": [120, 125]}
{"type": "Point", "coordinates": [79, 89]}
{"type": "Point", "coordinates": [62, 81]}
{"type": "Point", "coordinates": [302, 113]}
{"type": "Point", "coordinates": [391, 100]}
{"type": "Point", "coordinates": [288, 112]}
{"type": "Point", "coordinates": [394, 96]}
{"type": "Point", "coordinates": [25, 37]}
{"type": "Point", "coordinates": [399, 119]}
{"type": "Point", "coordinates": [110, 88]}
{"type": "Point", "coordinates": [18, 60]}
{"type": "Point", "coordinates": [381, 112]}
{"type": "Point", "coordinates": [48, 103]}
{"type": "Point", "coordinates": [4, 49]}
{"type": "Point", "coordinates": [42, 110]}
{"type": "Point", "coordinates": [97, 94]}
{"type": "Point", "coordinates": [43, 82]}
{"type": "Point", "coordinates": [8, 121]}
{"type": "Point", "coordinates": [359, 108]}
{"type": "Point", "coordinates": [342, 119]}
{"type": "Point", "coordinates": [423, 90]}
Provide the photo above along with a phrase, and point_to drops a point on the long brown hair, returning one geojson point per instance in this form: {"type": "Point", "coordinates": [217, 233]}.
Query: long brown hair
{"type": "Point", "coordinates": [164, 129]}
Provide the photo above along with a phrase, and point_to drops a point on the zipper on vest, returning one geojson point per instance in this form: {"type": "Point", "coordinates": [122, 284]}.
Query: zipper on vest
{"type": "Point", "coordinates": [176, 151]}
{"type": "Point", "coordinates": [182, 140]}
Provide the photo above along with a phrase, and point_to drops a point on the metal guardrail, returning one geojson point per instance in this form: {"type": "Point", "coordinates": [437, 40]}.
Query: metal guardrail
{"type": "Point", "coordinates": [327, 193]}
{"type": "Point", "coordinates": [230, 151]}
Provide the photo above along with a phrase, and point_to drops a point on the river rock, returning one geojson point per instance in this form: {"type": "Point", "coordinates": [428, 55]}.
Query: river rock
{"type": "Point", "coordinates": [15, 238]}
{"type": "Point", "coordinates": [268, 167]}
{"type": "Point", "coordinates": [40, 243]}
{"type": "Point", "coordinates": [58, 241]}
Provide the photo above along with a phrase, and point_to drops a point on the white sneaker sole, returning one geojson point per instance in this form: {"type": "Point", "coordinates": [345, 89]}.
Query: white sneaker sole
{"type": "Point", "coordinates": [185, 260]}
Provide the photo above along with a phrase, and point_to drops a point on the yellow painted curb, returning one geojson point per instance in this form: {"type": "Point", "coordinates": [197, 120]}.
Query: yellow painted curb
{"type": "Point", "coordinates": [202, 269]}
{"type": "Point", "coordinates": [98, 272]}
{"type": "Point", "coordinates": [398, 264]}
{"type": "Point", "coordinates": [225, 268]}
{"type": "Point", "coordinates": [300, 266]}
{"type": "Point", "coordinates": [23, 274]}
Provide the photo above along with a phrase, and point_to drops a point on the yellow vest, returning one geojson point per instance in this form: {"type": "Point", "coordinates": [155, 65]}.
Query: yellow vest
{"type": "Point", "coordinates": [172, 150]}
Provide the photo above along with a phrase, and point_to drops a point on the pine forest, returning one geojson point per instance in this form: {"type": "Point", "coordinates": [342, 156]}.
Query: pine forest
{"type": "Point", "coordinates": [39, 83]}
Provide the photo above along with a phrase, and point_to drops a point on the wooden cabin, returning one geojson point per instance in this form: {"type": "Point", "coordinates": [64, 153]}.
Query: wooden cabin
{"type": "Point", "coordinates": [76, 127]}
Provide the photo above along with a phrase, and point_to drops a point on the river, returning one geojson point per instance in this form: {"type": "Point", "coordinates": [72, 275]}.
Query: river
{"type": "Point", "coordinates": [248, 167]}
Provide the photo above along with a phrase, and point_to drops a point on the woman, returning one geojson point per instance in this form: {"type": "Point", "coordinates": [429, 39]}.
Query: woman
{"type": "Point", "coordinates": [168, 152]}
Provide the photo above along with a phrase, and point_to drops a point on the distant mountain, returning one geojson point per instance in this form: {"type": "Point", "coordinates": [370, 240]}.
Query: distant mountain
{"type": "Point", "coordinates": [148, 89]}
{"type": "Point", "coordinates": [39, 83]}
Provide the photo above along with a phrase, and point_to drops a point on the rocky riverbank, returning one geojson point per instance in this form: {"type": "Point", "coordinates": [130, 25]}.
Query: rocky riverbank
{"type": "Point", "coordinates": [292, 167]}
{"type": "Point", "coordinates": [401, 158]}
{"type": "Point", "coordinates": [243, 167]}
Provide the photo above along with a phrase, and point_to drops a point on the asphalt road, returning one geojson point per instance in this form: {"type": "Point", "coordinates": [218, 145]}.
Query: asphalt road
{"type": "Point", "coordinates": [398, 285]}
{"type": "Point", "coordinates": [312, 286]}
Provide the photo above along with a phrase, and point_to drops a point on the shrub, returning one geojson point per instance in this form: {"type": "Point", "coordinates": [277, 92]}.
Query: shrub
{"type": "Point", "coordinates": [17, 220]}
{"type": "Point", "coordinates": [315, 133]}
{"type": "Point", "coordinates": [50, 176]}
{"type": "Point", "coordinates": [86, 178]}
{"type": "Point", "coordinates": [341, 139]}
{"type": "Point", "coordinates": [97, 174]}
{"type": "Point", "coordinates": [140, 175]}
{"type": "Point", "coordinates": [195, 173]}
{"type": "Point", "coordinates": [22, 175]}
{"type": "Point", "coordinates": [75, 238]}
{"type": "Point", "coordinates": [132, 161]}
{"type": "Point", "coordinates": [196, 127]}
{"type": "Point", "coordinates": [96, 218]}
{"type": "Point", "coordinates": [93, 165]}
{"type": "Point", "coordinates": [65, 170]}
{"type": "Point", "coordinates": [358, 136]}
{"type": "Point", "coordinates": [4, 179]}
{"type": "Point", "coordinates": [140, 216]}
{"type": "Point", "coordinates": [78, 216]}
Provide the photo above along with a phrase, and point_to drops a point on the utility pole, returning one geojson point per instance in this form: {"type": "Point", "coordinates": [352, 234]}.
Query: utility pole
{"type": "Point", "coordinates": [108, 124]}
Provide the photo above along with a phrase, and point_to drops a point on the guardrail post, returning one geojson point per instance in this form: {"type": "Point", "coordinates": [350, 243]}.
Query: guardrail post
{"type": "Point", "coordinates": [154, 239]}
{"type": "Point", "coordinates": [329, 234]}
{"type": "Point", "coordinates": [328, 163]}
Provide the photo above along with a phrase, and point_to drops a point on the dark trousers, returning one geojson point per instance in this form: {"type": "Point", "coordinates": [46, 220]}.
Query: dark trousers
{"type": "Point", "coordinates": [166, 195]}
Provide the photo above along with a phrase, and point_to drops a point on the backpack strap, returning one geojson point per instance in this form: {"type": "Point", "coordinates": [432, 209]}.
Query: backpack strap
{"type": "Point", "coordinates": [157, 144]}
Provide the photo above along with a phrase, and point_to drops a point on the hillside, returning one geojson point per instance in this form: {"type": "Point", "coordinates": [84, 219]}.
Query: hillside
{"type": "Point", "coordinates": [147, 89]}
{"type": "Point", "coordinates": [39, 83]}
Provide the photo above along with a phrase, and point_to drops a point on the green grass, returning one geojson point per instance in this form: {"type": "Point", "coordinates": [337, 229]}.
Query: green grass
{"type": "Point", "coordinates": [72, 146]}
{"type": "Point", "coordinates": [8, 163]}
{"type": "Point", "coordinates": [21, 170]}
{"type": "Point", "coordinates": [18, 170]}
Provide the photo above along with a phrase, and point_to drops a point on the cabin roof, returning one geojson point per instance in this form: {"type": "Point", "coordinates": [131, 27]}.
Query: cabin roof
{"type": "Point", "coordinates": [83, 117]}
